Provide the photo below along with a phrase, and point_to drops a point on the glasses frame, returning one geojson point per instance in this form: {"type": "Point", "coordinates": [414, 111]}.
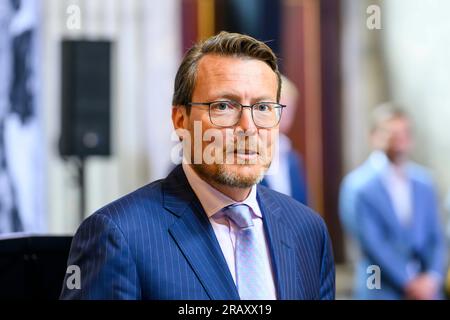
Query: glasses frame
{"type": "Point", "coordinates": [282, 106]}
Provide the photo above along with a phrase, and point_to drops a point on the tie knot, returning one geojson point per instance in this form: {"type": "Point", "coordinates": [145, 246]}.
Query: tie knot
{"type": "Point", "coordinates": [240, 214]}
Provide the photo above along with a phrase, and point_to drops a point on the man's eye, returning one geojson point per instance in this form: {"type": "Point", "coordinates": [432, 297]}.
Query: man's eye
{"type": "Point", "coordinates": [262, 107]}
{"type": "Point", "coordinates": [222, 106]}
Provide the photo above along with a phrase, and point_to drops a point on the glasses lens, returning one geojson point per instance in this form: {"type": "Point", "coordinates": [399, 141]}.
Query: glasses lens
{"type": "Point", "coordinates": [267, 115]}
{"type": "Point", "coordinates": [224, 113]}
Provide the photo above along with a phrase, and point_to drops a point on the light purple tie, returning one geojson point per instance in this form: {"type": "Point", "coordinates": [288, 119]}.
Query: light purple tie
{"type": "Point", "coordinates": [249, 255]}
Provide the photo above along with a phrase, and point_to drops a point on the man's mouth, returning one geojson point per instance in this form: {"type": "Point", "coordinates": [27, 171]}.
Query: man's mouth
{"type": "Point", "coordinates": [246, 155]}
{"type": "Point", "coordinates": [247, 152]}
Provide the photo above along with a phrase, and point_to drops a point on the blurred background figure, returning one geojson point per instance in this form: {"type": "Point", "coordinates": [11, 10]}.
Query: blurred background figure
{"type": "Point", "coordinates": [22, 183]}
{"type": "Point", "coordinates": [350, 186]}
{"type": "Point", "coordinates": [287, 175]}
{"type": "Point", "coordinates": [392, 212]}
{"type": "Point", "coordinates": [447, 207]}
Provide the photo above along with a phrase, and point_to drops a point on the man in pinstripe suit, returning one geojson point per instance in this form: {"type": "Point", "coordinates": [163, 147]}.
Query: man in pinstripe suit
{"type": "Point", "coordinates": [208, 231]}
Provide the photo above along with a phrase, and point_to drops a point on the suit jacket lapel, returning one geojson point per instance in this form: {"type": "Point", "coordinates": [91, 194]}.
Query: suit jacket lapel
{"type": "Point", "coordinates": [196, 239]}
{"type": "Point", "coordinates": [416, 222]}
{"type": "Point", "coordinates": [281, 245]}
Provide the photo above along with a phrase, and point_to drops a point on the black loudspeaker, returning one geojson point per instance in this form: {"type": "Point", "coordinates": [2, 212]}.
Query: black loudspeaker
{"type": "Point", "coordinates": [33, 267]}
{"type": "Point", "coordinates": [86, 98]}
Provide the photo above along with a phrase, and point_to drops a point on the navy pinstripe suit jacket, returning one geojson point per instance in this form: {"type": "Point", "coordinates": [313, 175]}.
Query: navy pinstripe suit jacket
{"type": "Point", "coordinates": [157, 243]}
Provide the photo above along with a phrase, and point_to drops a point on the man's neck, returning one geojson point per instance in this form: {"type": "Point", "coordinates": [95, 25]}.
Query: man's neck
{"type": "Point", "coordinates": [237, 194]}
{"type": "Point", "coordinates": [398, 162]}
{"type": "Point", "coordinates": [396, 159]}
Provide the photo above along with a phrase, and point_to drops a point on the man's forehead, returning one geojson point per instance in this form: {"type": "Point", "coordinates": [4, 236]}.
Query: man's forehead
{"type": "Point", "coordinates": [219, 66]}
{"type": "Point", "coordinates": [234, 78]}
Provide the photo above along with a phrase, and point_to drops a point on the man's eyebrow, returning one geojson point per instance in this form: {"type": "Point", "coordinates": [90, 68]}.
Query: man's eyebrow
{"type": "Point", "coordinates": [237, 98]}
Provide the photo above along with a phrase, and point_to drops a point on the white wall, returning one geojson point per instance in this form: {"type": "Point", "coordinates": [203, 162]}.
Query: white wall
{"type": "Point", "coordinates": [417, 51]}
{"type": "Point", "coordinates": [407, 61]}
{"type": "Point", "coordinates": [363, 80]}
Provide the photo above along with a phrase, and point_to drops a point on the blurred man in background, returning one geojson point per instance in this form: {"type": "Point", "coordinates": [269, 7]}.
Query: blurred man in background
{"type": "Point", "coordinates": [447, 207]}
{"type": "Point", "coordinates": [287, 176]}
{"type": "Point", "coordinates": [390, 208]}
{"type": "Point", "coordinates": [350, 186]}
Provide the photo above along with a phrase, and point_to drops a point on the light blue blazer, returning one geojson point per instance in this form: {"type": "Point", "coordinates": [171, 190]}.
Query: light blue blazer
{"type": "Point", "coordinates": [385, 242]}
{"type": "Point", "coordinates": [350, 187]}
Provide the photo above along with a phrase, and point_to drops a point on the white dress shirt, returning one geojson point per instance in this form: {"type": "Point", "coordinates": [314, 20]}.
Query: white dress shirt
{"type": "Point", "coordinates": [398, 185]}
{"type": "Point", "coordinates": [399, 188]}
{"type": "Point", "coordinates": [213, 201]}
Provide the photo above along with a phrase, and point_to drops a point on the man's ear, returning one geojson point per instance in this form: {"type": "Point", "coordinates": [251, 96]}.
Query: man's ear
{"type": "Point", "coordinates": [180, 121]}
{"type": "Point", "coordinates": [179, 117]}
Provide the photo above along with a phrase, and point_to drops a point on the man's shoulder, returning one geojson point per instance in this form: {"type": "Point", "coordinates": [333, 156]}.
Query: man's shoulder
{"type": "Point", "coordinates": [359, 176]}
{"type": "Point", "coordinates": [421, 174]}
{"type": "Point", "coordinates": [145, 198]}
{"type": "Point", "coordinates": [144, 205]}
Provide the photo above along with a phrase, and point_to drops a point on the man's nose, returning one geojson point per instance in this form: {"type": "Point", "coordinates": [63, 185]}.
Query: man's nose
{"type": "Point", "coordinates": [246, 123]}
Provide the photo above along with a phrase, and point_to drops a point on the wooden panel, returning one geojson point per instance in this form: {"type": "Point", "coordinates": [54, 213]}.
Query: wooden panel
{"type": "Point", "coordinates": [206, 19]}
{"type": "Point", "coordinates": [331, 119]}
{"type": "Point", "coordinates": [189, 25]}
{"type": "Point", "coordinates": [301, 58]}
{"type": "Point", "coordinates": [311, 59]}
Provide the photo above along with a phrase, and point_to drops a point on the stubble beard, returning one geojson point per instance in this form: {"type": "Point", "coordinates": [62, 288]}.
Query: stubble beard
{"type": "Point", "coordinates": [222, 174]}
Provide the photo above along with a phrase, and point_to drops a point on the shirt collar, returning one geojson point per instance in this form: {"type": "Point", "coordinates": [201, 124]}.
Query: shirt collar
{"type": "Point", "coordinates": [378, 160]}
{"type": "Point", "coordinates": [211, 199]}
{"type": "Point", "coordinates": [392, 171]}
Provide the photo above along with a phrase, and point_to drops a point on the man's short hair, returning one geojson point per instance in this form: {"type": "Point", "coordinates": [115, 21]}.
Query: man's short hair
{"type": "Point", "coordinates": [385, 112]}
{"type": "Point", "coordinates": [224, 44]}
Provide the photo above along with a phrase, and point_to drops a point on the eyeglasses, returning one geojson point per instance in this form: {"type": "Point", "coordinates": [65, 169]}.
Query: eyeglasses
{"type": "Point", "coordinates": [228, 113]}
